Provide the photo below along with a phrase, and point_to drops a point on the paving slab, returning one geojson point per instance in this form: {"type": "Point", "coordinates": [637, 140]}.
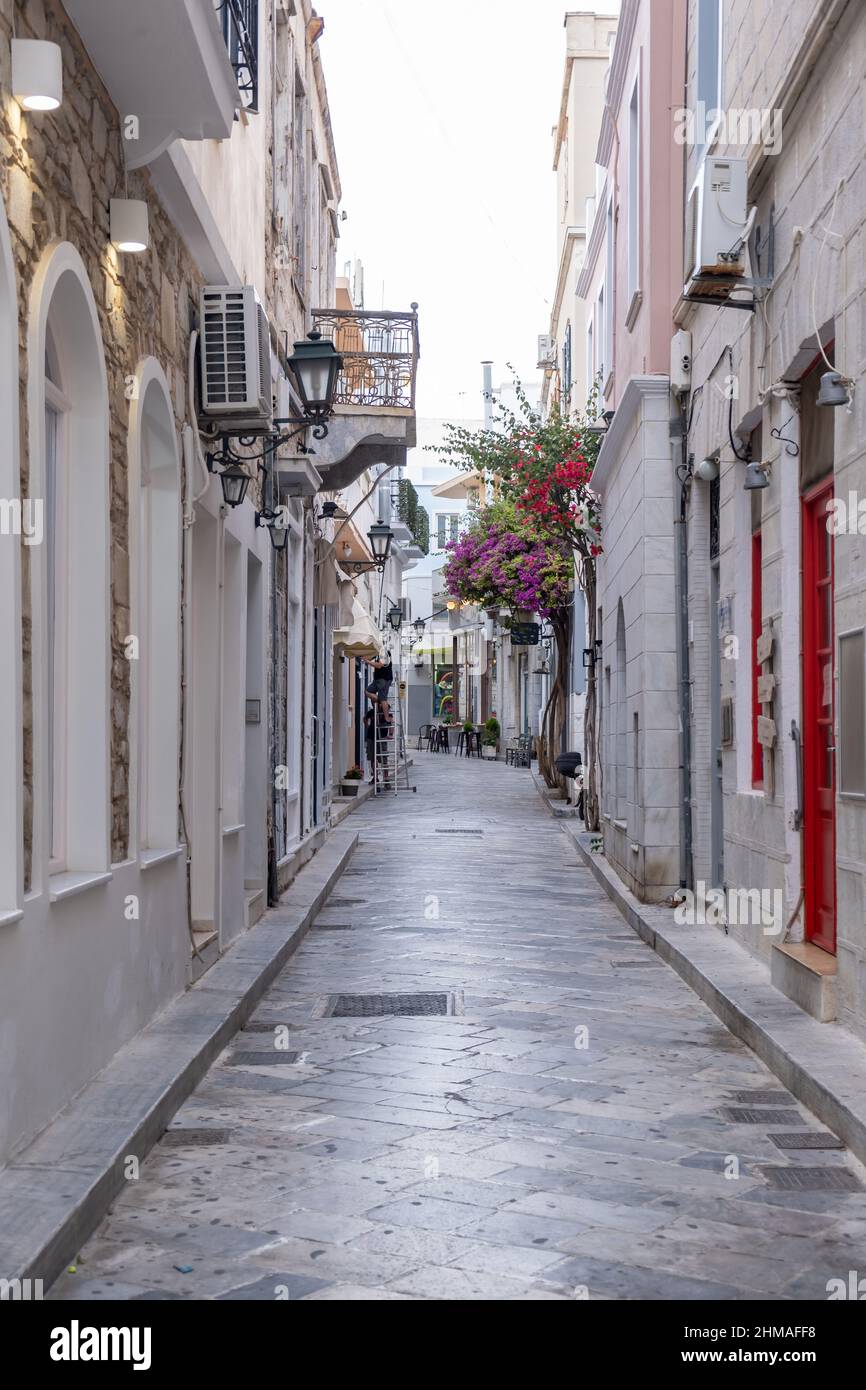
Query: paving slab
{"type": "Point", "coordinates": [571, 1134]}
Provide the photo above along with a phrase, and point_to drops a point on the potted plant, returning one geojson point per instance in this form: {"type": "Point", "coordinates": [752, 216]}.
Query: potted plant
{"type": "Point", "coordinates": [351, 780]}
{"type": "Point", "coordinates": [490, 738]}
{"type": "Point", "coordinates": [468, 726]}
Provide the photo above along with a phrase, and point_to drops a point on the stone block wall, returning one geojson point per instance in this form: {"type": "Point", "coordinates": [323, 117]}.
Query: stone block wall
{"type": "Point", "coordinates": [58, 171]}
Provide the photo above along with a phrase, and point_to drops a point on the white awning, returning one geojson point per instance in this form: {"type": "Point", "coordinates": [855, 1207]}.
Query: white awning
{"type": "Point", "coordinates": [362, 638]}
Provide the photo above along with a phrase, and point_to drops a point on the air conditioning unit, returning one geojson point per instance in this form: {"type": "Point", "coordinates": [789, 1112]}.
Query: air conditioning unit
{"type": "Point", "coordinates": [717, 228]}
{"type": "Point", "coordinates": [546, 351]}
{"type": "Point", "coordinates": [236, 384]}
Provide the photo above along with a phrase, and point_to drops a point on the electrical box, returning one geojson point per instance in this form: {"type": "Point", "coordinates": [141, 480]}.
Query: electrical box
{"type": "Point", "coordinates": [681, 362]}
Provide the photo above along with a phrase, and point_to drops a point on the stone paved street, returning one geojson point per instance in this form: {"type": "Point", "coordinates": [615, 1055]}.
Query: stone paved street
{"type": "Point", "coordinates": [563, 1133]}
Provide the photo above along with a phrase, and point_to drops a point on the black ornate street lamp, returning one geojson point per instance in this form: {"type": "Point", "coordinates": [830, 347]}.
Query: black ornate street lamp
{"type": "Point", "coordinates": [276, 524]}
{"type": "Point", "coordinates": [316, 365]}
{"type": "Point", "coordinates": [235, 481]}
{"type": "Point", "coordinates": [395, 616]}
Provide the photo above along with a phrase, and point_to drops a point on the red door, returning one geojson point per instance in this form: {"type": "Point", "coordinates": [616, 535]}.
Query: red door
{"type": "Point", "coordinates": [819, 753]}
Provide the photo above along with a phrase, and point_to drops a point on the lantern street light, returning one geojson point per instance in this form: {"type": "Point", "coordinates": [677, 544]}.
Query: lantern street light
{"type": "Point", "coordinates": [381, 538]}
{"type": "Point", "coordinates": [395, 616]}
{"type": "Point", "coordinates": [235, 481]}
{"type": "Point", "coordinates": [316, 365]}
{"type": "Point", "coordinates": [419, 626]}
{"type": "Point", "coordinates": [276, 524]}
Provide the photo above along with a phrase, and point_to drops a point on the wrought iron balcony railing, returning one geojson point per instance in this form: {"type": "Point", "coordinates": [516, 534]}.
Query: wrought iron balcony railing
{"type": "Point", "coordinates": [380, 354]}
{"type": "Point", "coordinates": [240, 23]}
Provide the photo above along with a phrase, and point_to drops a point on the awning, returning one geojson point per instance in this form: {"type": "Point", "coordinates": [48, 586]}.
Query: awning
{"type": "Point", "coordinates": [361, 638]}
{"type": "Point", "coordinates": [333, 585]}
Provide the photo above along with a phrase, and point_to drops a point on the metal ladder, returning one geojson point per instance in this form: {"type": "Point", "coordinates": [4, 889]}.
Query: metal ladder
{"type": "Point", "coordinates": [390, 760]}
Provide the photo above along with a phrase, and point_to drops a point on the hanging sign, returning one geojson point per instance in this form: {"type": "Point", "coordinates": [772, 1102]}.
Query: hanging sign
{"type": "Point", "coordinates": [525, 634]}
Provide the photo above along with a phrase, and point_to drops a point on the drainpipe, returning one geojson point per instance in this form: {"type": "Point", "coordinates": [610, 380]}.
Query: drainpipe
{"type": "Point", "coordinates": [487, 394]}
{"type": "Point", "coordinates": [682, 471]}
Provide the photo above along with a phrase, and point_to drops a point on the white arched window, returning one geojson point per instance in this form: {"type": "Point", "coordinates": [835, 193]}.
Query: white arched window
{"type": "Point", "coordinates": [17, 517]}
{"type": "Point", "coordinates": [155, 550]}
{"type": "Point", "coordinates": [69, 469]}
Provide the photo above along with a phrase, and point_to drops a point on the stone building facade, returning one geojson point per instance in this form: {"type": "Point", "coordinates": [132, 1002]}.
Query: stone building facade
{"type": "Point", "coordinates": [764, 563]}
{"type": "Point", "coordinates": [166, 693]}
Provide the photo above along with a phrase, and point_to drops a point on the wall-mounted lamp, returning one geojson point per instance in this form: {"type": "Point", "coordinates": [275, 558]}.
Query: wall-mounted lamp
{"type": "Point", "coordinates": [395, 616]}
{"type": "Point", "coordinates": [276, 524]}
{"type": "Point", "coordinates": [599, 648]}
{"type": "Point", "coordinates": [235, 481]}
{"type": "Point", "coordinates": [834, 390]}
{"type": "Point", "coordinates": [707, 470]}
{"type": "Point", "coordinates": [757, 476]}
{"type": "Point", "coordinates": [130, 230]}
{"type": "Point", "coordinates": [419, 626]}
{"type": "Point", "coordinates": [37, 74]}
{"type": "Point", "coordinates": [588, 658]}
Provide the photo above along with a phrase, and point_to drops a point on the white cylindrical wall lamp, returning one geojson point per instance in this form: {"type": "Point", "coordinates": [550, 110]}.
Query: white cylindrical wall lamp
{"type": "Point", "coordinates": [129, 224]}
{"type": "Point", "coordinates": [37, 74]}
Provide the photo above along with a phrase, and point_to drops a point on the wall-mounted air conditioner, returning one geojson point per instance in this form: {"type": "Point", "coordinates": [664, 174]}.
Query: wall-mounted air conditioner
{"type": "Point", "coordinates": [236, 384]}
{"type": "Point", "coordinates": [717, 229]}
{"type": "Point", "coordinates": [546, 351]}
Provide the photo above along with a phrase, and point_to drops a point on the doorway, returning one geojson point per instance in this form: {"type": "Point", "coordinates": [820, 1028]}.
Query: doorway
{"type": "Point", "coordinates": [819, 752]}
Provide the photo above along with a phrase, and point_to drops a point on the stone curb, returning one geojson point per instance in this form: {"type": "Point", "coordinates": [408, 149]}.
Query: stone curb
{"type": "Point", "coordinates": [54, 1194]}
{"type": "Point", "coordinates": [819, 1063]}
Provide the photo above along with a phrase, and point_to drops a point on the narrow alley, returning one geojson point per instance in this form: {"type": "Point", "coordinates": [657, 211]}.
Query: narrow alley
{"type": "Point", "coordinates": [556, 1117]}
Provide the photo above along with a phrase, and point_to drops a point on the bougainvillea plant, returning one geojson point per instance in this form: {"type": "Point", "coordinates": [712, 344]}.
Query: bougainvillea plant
{"type": "Point", "coordinates": [540, 536]}
{"type": "Point", "coordinates": [502, 560]}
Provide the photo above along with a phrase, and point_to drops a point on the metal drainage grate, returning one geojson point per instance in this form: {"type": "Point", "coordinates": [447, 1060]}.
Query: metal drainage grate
{"type": "Point", "coordinates": [262, 1026]}
{"type": "Point", "coordinates": [275, 1058]}
{"type": "Point", "coordinates": [195, 1138]}
{"type": "Point", "coordinates": [761, 1117]}
{"type": "Point", "coordinates": [459, 832]}
{"type": "Point", "coordinates": [386, 1005]}
{"type": "Point", "coordinates": [812, 1179]}
{"type": "Point", "coordinates": [763, 1098]}
{"type": "Point", "coordinates": [333, 926]}
{"type": "Point", "coordinates": [806, 1139]}
{"type": "Point", "coordinates": [346, 902]}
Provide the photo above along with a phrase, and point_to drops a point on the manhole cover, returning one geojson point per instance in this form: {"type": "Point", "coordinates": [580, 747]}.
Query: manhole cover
{"type": "Point", "coordinates": [812, 1179]}
{"type": "Point", "coordinates": [762, 1098]}
{"type": "Point", "coordinates": [386, 1005]}
{"type": "Point", "coordinates": [761, 1117]}
{"type": "Point", "coordinates": [807, 1140]}
{"type": "Point", "coordinates": [459, 832]}
{"type": "Point", "coordinates": [195, 1138]}
{"type": "Point", "coordinates": [274, 1058]}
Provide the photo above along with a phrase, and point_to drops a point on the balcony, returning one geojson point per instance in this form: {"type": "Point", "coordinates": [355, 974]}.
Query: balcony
{"type": "Point", "coordinates": [186, 88]}
{"type": "Point", "coordinates": [374, 415]}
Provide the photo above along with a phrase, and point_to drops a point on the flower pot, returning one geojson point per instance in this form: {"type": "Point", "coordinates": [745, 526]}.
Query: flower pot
{"type": "Point", "coordinates": [488, 750]}
{"type": "Point", "coordinates": [351, 787]}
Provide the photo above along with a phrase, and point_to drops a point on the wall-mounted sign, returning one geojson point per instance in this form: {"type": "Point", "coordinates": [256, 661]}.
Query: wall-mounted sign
{"type": "Point", "coordinates": [525, 634]}
{"type": "Point", "coordinates": [254, 711]}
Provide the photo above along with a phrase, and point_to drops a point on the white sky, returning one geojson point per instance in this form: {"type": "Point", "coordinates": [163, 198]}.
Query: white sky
{"type": "Point", "coordinates": [442, 117]}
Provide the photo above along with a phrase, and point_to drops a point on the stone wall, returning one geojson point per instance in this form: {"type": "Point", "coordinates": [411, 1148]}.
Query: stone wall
{"type": "Point", "coordinates": [58, 171]}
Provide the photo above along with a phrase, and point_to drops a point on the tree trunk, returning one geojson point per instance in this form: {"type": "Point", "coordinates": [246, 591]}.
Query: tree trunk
{"type": "Point", "coordinates": [553, 719]}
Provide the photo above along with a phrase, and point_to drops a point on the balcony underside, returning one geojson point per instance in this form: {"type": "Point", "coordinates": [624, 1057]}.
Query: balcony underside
{"type": "Point", "coordinates": [183, 88]}
{"type": "Point", "coordinates": [358, 440]}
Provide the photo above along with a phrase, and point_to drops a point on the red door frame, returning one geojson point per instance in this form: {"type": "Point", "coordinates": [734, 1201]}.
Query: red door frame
{"type": "Point", "coordinates": [819, 758]}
